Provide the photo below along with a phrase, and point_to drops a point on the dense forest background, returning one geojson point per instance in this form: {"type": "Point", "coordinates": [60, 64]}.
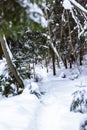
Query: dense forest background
{"type": "Point", "coordinates": [44, 31]}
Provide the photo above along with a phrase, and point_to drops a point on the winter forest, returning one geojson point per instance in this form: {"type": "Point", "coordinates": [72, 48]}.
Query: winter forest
{"type": "Point", "coordinates": [43, 64]}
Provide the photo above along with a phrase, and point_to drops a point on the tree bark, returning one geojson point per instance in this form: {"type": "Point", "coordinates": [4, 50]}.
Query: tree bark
{"type": "Point", "coordinates": [53, 60]}
{"type": "Point", "coordinates": [79, 6]}
{"type": "Point", "coordinates": [9, 62]}
{"type": "Point", "coordinates": [1, 52]}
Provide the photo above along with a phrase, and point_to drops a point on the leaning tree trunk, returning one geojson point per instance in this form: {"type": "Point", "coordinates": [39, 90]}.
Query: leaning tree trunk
{"type": "Point", "coordinates": [9, 61]}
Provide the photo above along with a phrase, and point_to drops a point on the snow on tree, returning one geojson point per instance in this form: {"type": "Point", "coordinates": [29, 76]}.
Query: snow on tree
{"type": "Point", "coordinates": [34, 12]}
{"type": "Point", "coordinates": [75, 8]}
{"type": "Point", "coordinates": [8, 57]}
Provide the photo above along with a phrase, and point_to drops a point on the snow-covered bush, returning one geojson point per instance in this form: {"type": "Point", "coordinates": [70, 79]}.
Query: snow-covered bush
{"type": "Point", "coordinates": [24, 71]}
{"type": "Point", "coordinates": [8, 86]}
{"type": "Point", "coordinates": [38, 77]}
{"type": "Point", "coordinates": [79, 103]}
{"type": "Point", "coordinates": [34, 89]}
{"type": "Point", "coordinates": [73, 76]}
{"type": "Point", "coordinates": [83, 125]}
{"type": "Point", "coordinates": [63, 75]}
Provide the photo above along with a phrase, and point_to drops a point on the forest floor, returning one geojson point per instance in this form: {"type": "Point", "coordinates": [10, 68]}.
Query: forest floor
{"type": "Point", "coordinates": [51, 111]}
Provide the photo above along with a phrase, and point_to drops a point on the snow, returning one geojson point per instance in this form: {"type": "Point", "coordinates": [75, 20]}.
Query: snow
{"type": "Point", "coordinates": [34, 87]}
{"type": "Point", "coordinates": [78, 5]}
{"type": "Point", "coordinates": [51, 111]}
{"type": "Point", "coordinates": [34, 11]}
{"type": "Point", "coordinates": [67, 4]}
{"type": "Point", "coordinates": [17, 112]}
{"type": "Point", "coordinates": [2, 66]}
{"type": "Point", "coordinates": [36, 14]}
{"type": "Point", "coordinates": [55, 50]}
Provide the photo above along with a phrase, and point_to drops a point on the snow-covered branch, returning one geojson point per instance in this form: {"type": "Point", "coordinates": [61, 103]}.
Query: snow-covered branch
{"type": "Point", "coordinates": [34, 12]}
{"type": "Point", "coordinates": [69, 4]}
{"type": "Point", "coordinates": [75, 3]}
{"type": "Point", "coordinates": [54, 49]}
{"type": "Point", "coordinates": [73, 6]}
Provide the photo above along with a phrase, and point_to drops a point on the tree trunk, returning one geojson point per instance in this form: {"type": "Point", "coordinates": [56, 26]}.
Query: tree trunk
{"type": "Point", "coordinates": [65, 63]}
{"type": "Point", "coordinates": [81, 57]}
{"type": "Point", "coordinates": [9, 62]}
{"type": "Point", "coordinates": [1, 52]}
{"type": "Point", "coordinates": [81, 53]}
{"type": "Point", "coordinates": [46, 62]}
{"type": "Point", "coordinates": [58, 63]}
{"type": "Point", "coordinates": [53, 60]}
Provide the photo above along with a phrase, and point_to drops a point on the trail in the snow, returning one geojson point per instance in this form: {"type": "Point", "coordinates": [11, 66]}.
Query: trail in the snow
{"type": "Point", "coordinates": [53, 112]}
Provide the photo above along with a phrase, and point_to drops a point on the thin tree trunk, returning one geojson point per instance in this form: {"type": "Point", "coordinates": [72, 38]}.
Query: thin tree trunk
{"type": "Point", "coordinates": [9, 62]}
{"type": "Point", "coordinates": [79, 6]}
{"type": "Point", "coordinates": [1, 52]}
{"type": "Point", "coordinates": [53, 60]}
{"type": "Point", "coordinates": [72, 48]}
{"type": "Point", "coordinates": [50, 41]}
{"type": "Point", "coordinates": [46, 62]}
{"type": "Point", "coordinates": [81, 57]}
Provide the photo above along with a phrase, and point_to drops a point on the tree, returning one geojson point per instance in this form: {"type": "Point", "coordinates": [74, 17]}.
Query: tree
{"type": "Point", "coordinates": [64, 28]}
{"type": "Point", "coordinates": [76, 16]}
{"type": "Point", "coordinates": [13, 17]}
{"type": "Point", "coordinates": [9, 61]}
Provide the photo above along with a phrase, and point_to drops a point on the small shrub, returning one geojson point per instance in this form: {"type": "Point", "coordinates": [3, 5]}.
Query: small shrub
{"type": "Point", "coordinates": [34, 89]}
{"type": "Point", "coordinates": [84, 125]}
{"type": "Point", "coordinates": [79, 103]}
{"type": "Point", "coordinates": [38, 78]}
{"type": "Point", "coordinates": [9, 86]}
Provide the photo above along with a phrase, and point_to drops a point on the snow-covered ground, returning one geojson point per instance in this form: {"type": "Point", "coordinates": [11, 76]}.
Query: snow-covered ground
{"type": "Point", "coordinates": [51, 111]}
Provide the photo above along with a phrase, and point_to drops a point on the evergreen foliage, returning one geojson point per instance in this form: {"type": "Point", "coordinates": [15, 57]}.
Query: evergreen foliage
{"type": "Point", "coordinates": [29, 41]}
{"type": "Point", "coordinates": [13, 17]}
{"type": "Point", "coordinates": [79, 103]}
{"type": "Point", "coordinates": [83, 126]}
{"type": "Point", "coordinates": [8, 85]}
